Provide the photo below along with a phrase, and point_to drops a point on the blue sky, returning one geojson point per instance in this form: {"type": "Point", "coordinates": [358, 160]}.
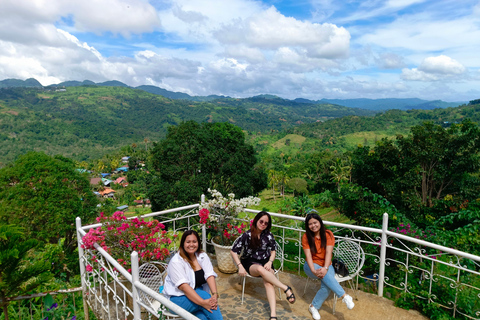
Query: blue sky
{"type": "Point", "coordinates": [311, 49]}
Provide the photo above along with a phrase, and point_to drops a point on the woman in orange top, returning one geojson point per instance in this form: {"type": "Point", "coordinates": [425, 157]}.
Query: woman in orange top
{"type": "Point", "coordinates": [317, 243]}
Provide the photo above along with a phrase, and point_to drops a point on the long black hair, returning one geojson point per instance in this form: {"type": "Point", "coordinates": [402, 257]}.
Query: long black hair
{"type": "Point", "coordinates": [181, 250]}
{"type": "Point", "coordinates": [311, 235]}
{"type": "Point", "coordinates": [255, 243]}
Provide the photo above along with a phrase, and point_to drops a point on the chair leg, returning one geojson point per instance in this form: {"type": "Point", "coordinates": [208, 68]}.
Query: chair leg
{"type": "Point", "coordinates": [243, 288]}
{"type": "Point", "coordinates": [335, 297]}
{"type": "Point", "coordinates": [306, 285]}
{"type": "Point", "coordinates": [350, 282]}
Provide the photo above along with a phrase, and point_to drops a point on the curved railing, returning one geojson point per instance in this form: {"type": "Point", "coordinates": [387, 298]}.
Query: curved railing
{"type": "Point", "coordinates": [396, 266]}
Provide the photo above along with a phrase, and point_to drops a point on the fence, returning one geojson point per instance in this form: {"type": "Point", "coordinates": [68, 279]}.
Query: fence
{"type": "Point", "coordinates": [395, 265]}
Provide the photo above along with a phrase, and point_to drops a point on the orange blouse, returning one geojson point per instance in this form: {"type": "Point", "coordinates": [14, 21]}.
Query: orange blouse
{"type": "Point", "coordinates": [319, 257]}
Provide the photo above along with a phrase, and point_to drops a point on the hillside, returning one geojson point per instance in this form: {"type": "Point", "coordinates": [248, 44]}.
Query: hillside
{"type": "Point", "coordinates": [348, 132]}
{"type": "Point", "coordinates": [84, 122]}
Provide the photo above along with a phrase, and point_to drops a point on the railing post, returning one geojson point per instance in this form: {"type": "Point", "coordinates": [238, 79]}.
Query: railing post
{"type": "Point", "coordinates": [136, 305]}
{"type": "Point", "coordinates": [78, 224]}
{"type": "Point", "coordinates": [383, 254]}
{"type": "Point", "coordinates": [204, 229]}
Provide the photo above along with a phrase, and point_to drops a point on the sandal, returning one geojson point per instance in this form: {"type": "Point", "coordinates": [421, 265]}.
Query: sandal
{"type": "Point", "coordinates": [292, 296]}
{"type": "Point", "coordinates": [272, 318]}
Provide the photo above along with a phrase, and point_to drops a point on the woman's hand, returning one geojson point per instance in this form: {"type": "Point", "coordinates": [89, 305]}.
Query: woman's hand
{"type": "Point", "coordinates": [320, 273]}
{"type": "Point", "coordinates": [241, 271]}
{"type": "Point", "coordinates": [207, 305]}
{"type": "Point", "coordinates": [213, 302]}
{"type": "Point", "coordinates": [268, 265]}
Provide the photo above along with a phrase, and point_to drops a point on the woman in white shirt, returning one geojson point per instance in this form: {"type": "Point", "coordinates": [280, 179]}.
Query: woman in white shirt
{"type": "Point", "coordinates": [190, 278]}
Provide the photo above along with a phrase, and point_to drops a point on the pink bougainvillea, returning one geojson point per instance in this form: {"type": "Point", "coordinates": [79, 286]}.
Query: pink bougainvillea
{"type": "Point", "coordinates": [120, 237]}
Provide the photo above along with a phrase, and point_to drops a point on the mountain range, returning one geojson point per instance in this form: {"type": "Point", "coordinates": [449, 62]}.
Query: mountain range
{"type": "Point", "coordinates": [377, 105]}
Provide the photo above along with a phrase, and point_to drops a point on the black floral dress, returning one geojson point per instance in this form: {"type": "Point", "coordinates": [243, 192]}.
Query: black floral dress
{"type": "Point", "coordinates": [249, 255]}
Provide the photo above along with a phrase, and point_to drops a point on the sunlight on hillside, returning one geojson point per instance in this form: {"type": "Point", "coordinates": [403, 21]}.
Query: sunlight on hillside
{"type": "Point", "coordinates": [365, 138]}
{"type": "Point", "coordinates": [292, 139]}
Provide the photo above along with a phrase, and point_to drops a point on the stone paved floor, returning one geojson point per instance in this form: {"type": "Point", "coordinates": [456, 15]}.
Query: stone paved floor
{"type": "Point", "coordinates": [255, 306]}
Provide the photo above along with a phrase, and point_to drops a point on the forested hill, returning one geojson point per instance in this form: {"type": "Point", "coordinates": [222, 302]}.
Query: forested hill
{"type": "Point", "coordinates": [85, 122]}
{"type": "Point", "coordinates": [389, 123]}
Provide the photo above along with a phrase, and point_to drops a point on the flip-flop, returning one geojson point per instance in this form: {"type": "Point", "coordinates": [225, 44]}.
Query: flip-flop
{"type": "Point", "coordinates": [292, 296]}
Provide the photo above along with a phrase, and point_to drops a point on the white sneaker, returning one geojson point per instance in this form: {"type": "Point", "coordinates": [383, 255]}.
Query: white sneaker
{"type": "Point", "coordinates": [314, 312]}
{"type": "Point", "coordinates": [348, 301]}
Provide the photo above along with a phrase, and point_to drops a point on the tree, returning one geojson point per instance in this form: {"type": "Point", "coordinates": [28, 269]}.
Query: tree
{"type": "Point", "coordinates": [20, 272]}
{"type": "Point", "coordinates": [442, 157]}
{"type": "Point", "coordinates": [44, 195]}
{"type": "Point", "coordinates": [194, 157]}
{"type": "Point", "coordinates": [298, 185]}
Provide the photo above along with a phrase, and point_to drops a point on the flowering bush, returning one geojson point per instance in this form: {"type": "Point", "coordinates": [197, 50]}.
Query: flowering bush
{"type": "Point", "coordinates": [120, 237]}
{"type": "Point", "coordinates": [219, 213]}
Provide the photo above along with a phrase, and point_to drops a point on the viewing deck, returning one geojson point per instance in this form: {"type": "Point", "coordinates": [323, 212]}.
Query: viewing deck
{"type": "Point", "coordinates": [396, 265]}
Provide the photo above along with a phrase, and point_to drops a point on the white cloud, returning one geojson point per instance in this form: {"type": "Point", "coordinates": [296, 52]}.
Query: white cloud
{"type": "Point", "coordinates": [434, 68]}
{"type": "Point", "coordinates": [252, 55]}
{"type": "Point", "coordinates": [271, 30]}
{"type": "Point", "coordinates": [417, 75]}
{"type": "Point", "coordinates": [442, 65]}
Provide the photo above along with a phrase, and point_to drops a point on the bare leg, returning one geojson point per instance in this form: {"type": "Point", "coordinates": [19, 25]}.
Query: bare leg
{"type": "Point", "coordinates": [272, 300]}
{"type": "Point", "coordinates": [257, 270]}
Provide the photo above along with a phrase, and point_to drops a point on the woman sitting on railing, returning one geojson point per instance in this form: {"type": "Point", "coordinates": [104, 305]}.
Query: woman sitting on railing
{"type": "Point", "coordinates": [258, 246]}
{"type": "Point", "coordinates": [190, 277]}
{"type": "Point", "coordinates": [317, 243]}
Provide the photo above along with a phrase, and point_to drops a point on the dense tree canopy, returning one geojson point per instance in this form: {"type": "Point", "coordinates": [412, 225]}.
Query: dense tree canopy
{"type": "Point", "coordinates": [195, 157]}
{"type": "Point", "coordinates": [44, 195]}
{"type": "Point", "coordinates": [419, 171]}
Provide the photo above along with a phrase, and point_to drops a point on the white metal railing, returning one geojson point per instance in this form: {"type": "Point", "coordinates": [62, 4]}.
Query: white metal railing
{"type": "Point", "coordinates": [395, 264]}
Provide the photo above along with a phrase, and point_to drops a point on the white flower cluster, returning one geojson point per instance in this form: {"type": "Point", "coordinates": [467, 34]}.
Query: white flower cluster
{"type": "Point", "coordinates": [230, 205]}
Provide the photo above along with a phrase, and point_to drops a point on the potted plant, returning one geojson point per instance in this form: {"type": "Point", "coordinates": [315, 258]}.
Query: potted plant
{"type": "Point", "coordinates": [220, 214]}
{"type": "Point", "coordinates": [120, 236]}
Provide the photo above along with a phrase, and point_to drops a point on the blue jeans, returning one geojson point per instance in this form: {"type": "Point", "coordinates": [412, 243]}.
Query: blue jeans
{"type": "Point", "coordinates": [329, 283]}
{"type": "Point", "coordinates": [198, 311]}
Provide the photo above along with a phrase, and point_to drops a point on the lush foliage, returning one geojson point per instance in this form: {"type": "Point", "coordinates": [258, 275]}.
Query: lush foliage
{"type": "Point", "coordinates": [120, 237]}
{"type": "Point", "coordinates": [219, 213]}
{"type": "Point", "coordinates": [20, 270]}
{"type": "Point", "coordinates": [44, 195]}
{"type": "Point", "coordinates": [416, 172]}
{"type": "Point", "coordinates": [195, 157]}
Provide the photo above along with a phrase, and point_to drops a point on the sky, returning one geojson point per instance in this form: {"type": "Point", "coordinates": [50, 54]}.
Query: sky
{"type": "Point", "coordinates": [313, 49]}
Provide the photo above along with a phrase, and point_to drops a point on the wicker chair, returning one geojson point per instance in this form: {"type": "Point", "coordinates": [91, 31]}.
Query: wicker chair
{"type": "Point", "coordinates": [151, 277]}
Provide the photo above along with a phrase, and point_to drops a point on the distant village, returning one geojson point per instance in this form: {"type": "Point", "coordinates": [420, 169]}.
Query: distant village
{"type": "Point", "coordinates": [103, 186]}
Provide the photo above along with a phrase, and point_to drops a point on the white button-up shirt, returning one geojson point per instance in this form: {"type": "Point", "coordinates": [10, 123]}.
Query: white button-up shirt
{"type": "Point", "coordinates": [179, 271]}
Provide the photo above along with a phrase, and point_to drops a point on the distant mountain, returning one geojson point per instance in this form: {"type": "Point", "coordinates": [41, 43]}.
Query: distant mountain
{"type": "Point", "coordinates": [376, 105]}
{"type": "Point", "coordinates": [74, 84]}
{"type": "Point", "coordinates": [113, 83]}
{"type": "Point", "coordinates": [165, 93]}
{"type": "Point", "coordinates": [387, 104]}
{"type": "Point", "coordinates": [11, 83]}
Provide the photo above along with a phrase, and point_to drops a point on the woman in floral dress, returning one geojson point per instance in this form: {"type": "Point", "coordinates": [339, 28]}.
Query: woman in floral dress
{"type": "Point", "coordinates": [257, 248]}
